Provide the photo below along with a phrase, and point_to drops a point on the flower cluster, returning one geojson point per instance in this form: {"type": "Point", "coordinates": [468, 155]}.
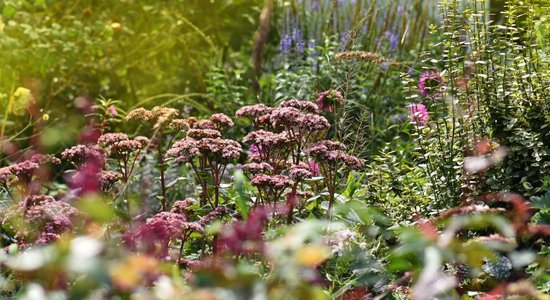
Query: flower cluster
{"type": "Point", "coordinates": [301, 171]}
{"type": "Point", "coordinates": [184, 150]}
{"type": "Point", "coordinates": [119, 145]}
{"type": "Point", "coordinates": [266, 144]}
{"type": "Point", "coordinates": [278, 145]}
{"type": "Point", "coordinates": [25, 170]}
{"type": "Point", "coordinates": [245, 237]}
{"type": "Point", "coordinates": [271, 187]}
{"type": "Point", "coordinates": [285, 117]}
{"type": "Point", "coordinates": [140, 114]}
{"type": "Point", "coordinates": [204, 142]}
{"type": "Point", "coordinates": [107, 179]}
{"type": "Point", "coordinates": [305, 106]}
{"type": "Point", "coordinates": [330, 156]}
{"type": "Point", "coordinates": [255, 168]}
{"type": "Point", "coordinates": [154, 236]}
{"type": "Point", "coordinates": [203, 134]}
{"type": "Point", "coordinates": [43, 159]}
{"type": "Point", "coordinates": [180, 124]}
{"type": "Point", "coordinates": [221, 120]}
{"type": "Point", "coordinates": [216, 214]}
{"type": "Point", "coordinates": [111, 138]}
{"type": "Point", "coordinates": [79, 155]}
{"type": "Point", "coordinates": [274, 181]}
{"type": "Point", "coordinates": [161, 115]}
{"type": "Point", "coordinates": [5, 175]}
{"type": "Point", "coordinates": [254, 111]}
{"type": "Point", "coordinates": [181, 207]}
{"type": "Point", "coordinates": [38, 218]}
{"type": "Point", "coordinates": [330, 152]}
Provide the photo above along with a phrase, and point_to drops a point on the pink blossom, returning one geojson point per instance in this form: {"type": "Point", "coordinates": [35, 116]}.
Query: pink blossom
{"type": "Point", "coordinates": [24, 170]}
{"type": "Point", "coordinates": [184, 150]}
{"type": "Point", "coordinates": [81, 154]}
{"type": "Point", "coordinates": [203, 133]}
{"type": "Point", "coordinates": [182, 207]}
{"type": "Point", "coordinates": [245, 237]}
{"type": "Point", "coordinates": [255, 168]}
{"type": "Point", "coordinates": [254, 111]}
{"type": "Point", "coordinates": [275, 181]}
{"type": "Point", "coordinates": [419, 114]}
{"type": "Point", "coordinates": [107, 179]}
{"type": "Point", "coordinates": [430, 83]}
{"type": "Point", "coordinates": [112, 111]}
{"type": "Point", "coordinates": [217, 213]}
{"type": "Point", "coordinates": [305, 106]}
{"type": "Point", "coordinates": [108, 139]}
{"type": "Point", "coordinates": [286, 116]}
{"type": "Point", "coordinates": [314, 167]}
{"type": "Point", "coordinates": [221, 120]}
{"type": "Point", "coordinates": [5, 175]}
{"type": "Point", "coordinates": [299, 171]}
{"type": "Point", "coordinates": [327, 100]}
{"type": "Point", "coordinates": [87, 178]}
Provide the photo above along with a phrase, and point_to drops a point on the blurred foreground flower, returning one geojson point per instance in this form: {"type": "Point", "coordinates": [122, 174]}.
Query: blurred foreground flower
{"type": "Point", "coordinates": [134, 271]}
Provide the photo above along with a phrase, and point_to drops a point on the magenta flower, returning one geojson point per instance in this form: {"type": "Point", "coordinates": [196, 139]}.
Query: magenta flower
{"type": "Point", "coordinates": [419, 114]}
{"type": "Point", "coordinates": [430, 83]}
{"type": "Point", "coordinates": [254, 149]}
{"type": "Point", "coordinates": [314, 168]}
{"type": "Point", "coordinates": [327, 100]}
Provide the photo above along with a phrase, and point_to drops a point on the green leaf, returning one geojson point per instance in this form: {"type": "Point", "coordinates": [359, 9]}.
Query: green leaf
{"type": "Point", "coordinates": [242, 201]}
{"type": "Point", "coordinates": [9, 10]}
{"type": "Point", "coordinates": [358, 212]}
{"type": "Point", "coordinates": [162, 167]}
{"type": "Point", "coordinates": [96, 209]}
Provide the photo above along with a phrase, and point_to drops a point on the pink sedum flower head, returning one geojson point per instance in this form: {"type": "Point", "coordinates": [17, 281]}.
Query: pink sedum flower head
{"type": "Point", "coordinates": [327, 100]}
{"type": "Point", "coordinates": [430, 83]}
{"type": "Point", "coordinates": [419, 114]}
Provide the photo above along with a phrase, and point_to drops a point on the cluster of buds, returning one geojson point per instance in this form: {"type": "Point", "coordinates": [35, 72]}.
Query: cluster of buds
{"type": "Point", "coordinates": [23, 173]}
{"type": "Point", "coordinates": [38, 219]}
{"type": "Point", "coordinates": [154, 236]}
{"type": "Point", "coordinates": [284, 139]}
{"type": "Point", "coordinates": [161, 116]}
{"type": "Point", "coordinates": [120, 146]}
{"type": "Point", "coordinates": [206, 151]}
{"type": "Point", "coordinates": [80, 155]}
{"type": "Point", "coordinates": [122, 149]}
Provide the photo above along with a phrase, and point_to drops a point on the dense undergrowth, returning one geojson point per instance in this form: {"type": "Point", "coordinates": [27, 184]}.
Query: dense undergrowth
{"type": "Point", "coordinates": [377, 150]}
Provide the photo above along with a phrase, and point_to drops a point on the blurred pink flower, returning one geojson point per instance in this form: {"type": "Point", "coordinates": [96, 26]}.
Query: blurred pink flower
{"type": "Point", "coordinates": [327, 100]}
{"type": "Point", "coordinates": [112, 111]}
{"type": "Point", "coordinates": [314, 168]}
{"type": "Point", "coordinates": [419, 114]}
{"type": "Point", "coordinates": [430, 83]}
